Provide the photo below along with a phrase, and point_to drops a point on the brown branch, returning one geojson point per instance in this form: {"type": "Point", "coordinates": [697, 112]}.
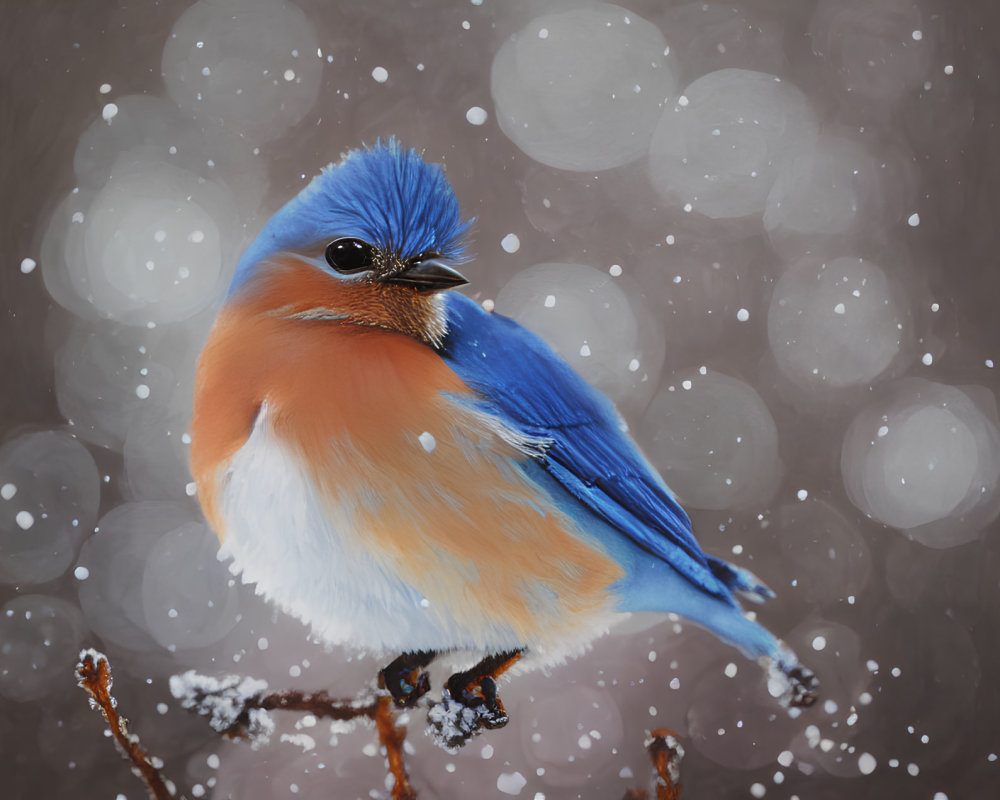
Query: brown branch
{"type": "Point", "coordinates": [392, 738]}
{"type": "Point", "coordinates": [319, 704]}
{"type": "Point", "coordinates": [93, 674]}
{"type": "Point", "coordinates": [237, 708]}
{"type": "Point", "coordinates": [666, 753]}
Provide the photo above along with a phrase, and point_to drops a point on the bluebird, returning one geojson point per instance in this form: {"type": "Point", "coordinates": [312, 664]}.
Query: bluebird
{"type": "Point", "coordinates": [411, 475]}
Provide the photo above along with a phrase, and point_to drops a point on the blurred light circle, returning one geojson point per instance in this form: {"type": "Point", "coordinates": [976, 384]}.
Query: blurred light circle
{"type": "Point", "coordinates": [249, 65]}
{"type": "Point", "coordinates": [98, 375]}
{"type": "Point", "coordinates": [826, 192]}
{"type": "Point", "coordinates": [582, 89]}
{"type": "Point", "coordinates": [588, 319]}
{"type": "Point", "coordinates": [719, 148]}
{"type": "Point", "coordinates": [154, 243]}
{"type": "Point", "coordinates": [40, 637]}
{"type": "Point", "coordinates": [144, 124]}
{"type": "Point", "coordinates": [151, 130]}
{"type": "Point", "coordinates": [924, 458]}
{"type": "Point", "coordinates": [188, 597]}
{"type": "Point", "coordinates": [54, 480]}
{"type": "Point", "coordinates": [64, 269]}
{"type": "Point", "coordinates": [834, 324]}
{"type": "Point", "coordinates": [713, 440]}
{"type": "Point", "coordinates": [116, 557]}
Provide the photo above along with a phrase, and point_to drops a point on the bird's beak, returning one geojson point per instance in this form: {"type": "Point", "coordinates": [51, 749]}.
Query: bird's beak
{"type": "Point", "coordinates": [430, 275]}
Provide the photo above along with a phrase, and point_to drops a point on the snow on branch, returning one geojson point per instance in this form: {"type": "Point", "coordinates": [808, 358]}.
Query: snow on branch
{"type": "Point", "coordinates": [238, 707]}
{"type": "Point", "coordinates": [93, 674]}
{"type": "Point", "coordinates": [665, 752]}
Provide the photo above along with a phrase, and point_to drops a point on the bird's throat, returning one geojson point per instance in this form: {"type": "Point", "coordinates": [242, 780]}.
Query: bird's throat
{"type": "Point", "coordinates": [299, 292]}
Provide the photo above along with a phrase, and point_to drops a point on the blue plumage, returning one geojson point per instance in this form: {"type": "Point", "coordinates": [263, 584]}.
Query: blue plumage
{"type": "Point", "coordinates": [385, 195]}
{"type": "Point", "coordinates": [593, 472]}
{"type": "Point", "coordinates": [524, 383]}
{"type": "Point", "coordinates": [598, 474]}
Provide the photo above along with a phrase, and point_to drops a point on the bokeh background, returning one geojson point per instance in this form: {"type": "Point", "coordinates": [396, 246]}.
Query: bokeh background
{"type": "Point", "coordinates": [767, 229]}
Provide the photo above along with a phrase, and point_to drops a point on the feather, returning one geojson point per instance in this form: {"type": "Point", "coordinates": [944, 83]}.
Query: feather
{"type": "Point", "coordinates": [533, 391]}
{"type": "Point", "coordinates": [385, 195]}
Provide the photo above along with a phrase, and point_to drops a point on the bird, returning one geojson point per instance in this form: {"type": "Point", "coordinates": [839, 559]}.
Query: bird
{"type": "Point", "coordinates": [410, 474]}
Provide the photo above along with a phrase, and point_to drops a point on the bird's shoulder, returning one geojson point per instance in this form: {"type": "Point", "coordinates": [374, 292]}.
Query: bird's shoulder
{"type": "Point", "coordinates": [519, 372]}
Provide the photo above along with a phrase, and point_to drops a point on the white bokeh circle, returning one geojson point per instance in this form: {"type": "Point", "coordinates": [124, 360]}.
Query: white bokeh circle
{"type": "Point", "coordinates": [155, 244]}
{"type": "Point", "coordinates": [248, 65]}
{"type": "Point", "coordinates": [589, 320]}
{"type": "Point", "coordinates": [717, 150]}
{"type": "Point", "coordinates": [50, 490]}
{"type": "Point", "coordinates": [925, 458]}
{"type": "Point", "coordinates": [835, 324]}
{"type": "Point", "coordinates": [582, 89]}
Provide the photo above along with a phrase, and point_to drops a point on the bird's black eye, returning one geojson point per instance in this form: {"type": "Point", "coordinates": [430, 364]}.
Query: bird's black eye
{"type": "Point", "coordinates": [350, 255]}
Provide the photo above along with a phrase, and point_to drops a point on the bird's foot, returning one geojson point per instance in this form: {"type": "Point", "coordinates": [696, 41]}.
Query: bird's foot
{"type": "Point", "coordinates": [791, 683]}
{"type": "Point", "coordinates": [481, 697]}
{"type": "Point", "coordinates": [805, 687]}
{"type": "Point", "coordinates": [458, 718]}
{"type": "Point", "coordinates": [470, 703]}
{"type": "Point", "coordinates": [405, 679]}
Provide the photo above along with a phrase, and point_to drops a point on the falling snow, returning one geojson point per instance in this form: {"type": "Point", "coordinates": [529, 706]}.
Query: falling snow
{"type": "Point", "coordinates": [668, 177]}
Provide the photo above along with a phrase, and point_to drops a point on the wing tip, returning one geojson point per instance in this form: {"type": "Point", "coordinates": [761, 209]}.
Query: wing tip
{"type": "Point", "coordinates": [741, 581]}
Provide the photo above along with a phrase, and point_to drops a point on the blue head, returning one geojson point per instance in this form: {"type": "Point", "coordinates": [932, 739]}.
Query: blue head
{"type": "Point", "coordinates": [385, 196]}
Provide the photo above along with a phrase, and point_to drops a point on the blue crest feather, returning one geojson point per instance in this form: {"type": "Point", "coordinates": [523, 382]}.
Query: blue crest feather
{"type": "Point", "coordinates": [385, 195]}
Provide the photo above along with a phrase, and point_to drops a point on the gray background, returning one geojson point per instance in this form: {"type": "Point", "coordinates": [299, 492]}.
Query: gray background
{"type": "Point", "coordinates": [931, 612]}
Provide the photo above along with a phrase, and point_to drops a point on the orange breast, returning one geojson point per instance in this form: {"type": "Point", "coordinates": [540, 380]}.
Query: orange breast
{"type": "Point", "coordinates": [323, 381]}
{"type": "Point", "coordinates": [457, 521]}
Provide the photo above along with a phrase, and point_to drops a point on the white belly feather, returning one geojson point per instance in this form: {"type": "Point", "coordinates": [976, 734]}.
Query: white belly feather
{"type": "Point", "coordinates": [308, 558]}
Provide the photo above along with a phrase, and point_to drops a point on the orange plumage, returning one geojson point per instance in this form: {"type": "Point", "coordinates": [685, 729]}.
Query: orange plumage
{"type": "Point", "coordinates": [351, 401]}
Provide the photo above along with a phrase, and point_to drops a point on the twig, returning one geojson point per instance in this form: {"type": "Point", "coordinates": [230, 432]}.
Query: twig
{"type": "Point", "coordinates": [392, 738]}
{"type": "Point", "coordinates": [237, 708]}
{"type": "Point", "coordinates": [93, 673]}
{"type": "Point", "coordinates": [319, 704]}
{"type": "Point", "coordinates": [665, 752]}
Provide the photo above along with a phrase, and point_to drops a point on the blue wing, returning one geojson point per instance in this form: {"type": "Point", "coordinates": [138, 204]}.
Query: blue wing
{"type": "Point", "coordinates": [534, 391]}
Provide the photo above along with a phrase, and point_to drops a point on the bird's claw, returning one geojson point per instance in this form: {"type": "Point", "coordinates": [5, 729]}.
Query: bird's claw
{"type": "Point", "coordinates": [466, 710]}
{"type": "Point", "coordinates": [405, 679]}
{"type": "Point", "coordinates": [804, 686]}
{"type": "Point", "coordinates": [406, 689]}
{"type": "Point", "coordinates": [483, 698]}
